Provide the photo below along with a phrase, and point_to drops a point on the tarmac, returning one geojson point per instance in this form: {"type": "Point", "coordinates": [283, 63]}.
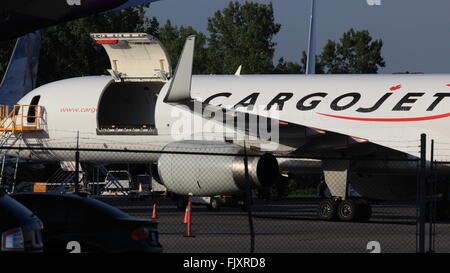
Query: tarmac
{"type": "Point", "coordinates": [286, 226]}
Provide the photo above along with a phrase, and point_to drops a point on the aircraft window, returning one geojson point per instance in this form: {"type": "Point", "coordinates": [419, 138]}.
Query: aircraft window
{"type": "Point", "coordinates": [32, 109]}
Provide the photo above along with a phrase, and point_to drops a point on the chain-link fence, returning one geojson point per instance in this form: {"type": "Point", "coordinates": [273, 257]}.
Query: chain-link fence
{"type": "Point", "coordinates": [436, 192]}
{"type": "Point", "coordinates": [243, 200]}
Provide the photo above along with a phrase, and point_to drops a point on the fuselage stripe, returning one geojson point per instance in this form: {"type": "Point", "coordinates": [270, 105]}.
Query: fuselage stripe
{"type": "Point", "coordinates": [388, 119]}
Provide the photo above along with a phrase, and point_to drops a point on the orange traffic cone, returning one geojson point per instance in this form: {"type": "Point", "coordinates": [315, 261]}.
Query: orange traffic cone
{"type": "Point", "coordinates": [187, 219]}
{"type": "Point", "coordinates": [154, 215]}
{"type": "Point", "coordinates": [186, 212]}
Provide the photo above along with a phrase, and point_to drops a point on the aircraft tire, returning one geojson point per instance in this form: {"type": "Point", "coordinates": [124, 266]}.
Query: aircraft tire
{"type": "Point", "coordinates": [214, 206]}
{"type": "Point", "coordinates": [348, 210]}
{"type": "Point", "coordinates": [327, 209]}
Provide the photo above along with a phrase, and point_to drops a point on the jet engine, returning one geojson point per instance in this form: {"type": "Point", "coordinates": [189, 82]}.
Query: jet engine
{"type": "Point", "coordinates": [211, 168]}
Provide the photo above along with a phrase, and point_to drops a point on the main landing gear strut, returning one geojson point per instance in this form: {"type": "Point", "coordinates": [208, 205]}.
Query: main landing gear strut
{"type": "Point", "coordinates": [339, 206]}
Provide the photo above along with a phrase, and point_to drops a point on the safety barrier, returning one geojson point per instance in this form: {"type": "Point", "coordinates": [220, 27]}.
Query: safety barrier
{"type": "Point", "coordinates": [23, 118]}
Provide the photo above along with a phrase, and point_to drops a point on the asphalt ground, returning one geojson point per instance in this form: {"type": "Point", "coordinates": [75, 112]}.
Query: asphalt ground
{"type": "Point", "coordinates": [286, 226]}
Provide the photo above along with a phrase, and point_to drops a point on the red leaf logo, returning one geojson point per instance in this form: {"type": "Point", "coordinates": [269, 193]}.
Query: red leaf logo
{"type": "Point", "coordinates": [397, 87]}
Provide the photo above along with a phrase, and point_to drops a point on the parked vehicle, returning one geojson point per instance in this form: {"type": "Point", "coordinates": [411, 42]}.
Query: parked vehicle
{"type": "Point", "coordinates": [213, 203]}
{"type": "Point", "coordinates": [20, 229]}
{"type": "Point", "coordinates": [91, 225]}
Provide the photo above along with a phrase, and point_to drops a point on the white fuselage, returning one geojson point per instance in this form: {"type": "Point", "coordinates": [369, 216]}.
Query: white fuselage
{"type": "Point", "coordinates": [389, 110]}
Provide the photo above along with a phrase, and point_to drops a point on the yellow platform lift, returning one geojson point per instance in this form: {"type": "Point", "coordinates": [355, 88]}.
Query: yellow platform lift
{"type": "Point", "coordinates": [22, 119]}
{"type": "Point", "coordinates": [3, 111]}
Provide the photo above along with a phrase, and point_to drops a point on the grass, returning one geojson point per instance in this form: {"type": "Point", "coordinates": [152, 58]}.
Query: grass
{"type": "Point", "coordinates": [302, 193]}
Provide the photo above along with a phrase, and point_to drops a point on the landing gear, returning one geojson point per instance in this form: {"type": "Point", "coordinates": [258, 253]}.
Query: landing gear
{"type": "Point", "coordinates": [339, 205]}
{"type": "Point", "coordinates": [348, 210]}
{"type": "Point", "coordinates": [344, 210]}
{"type": "Point", "coordinates": [214, 205]}
{"type": "Point", "coordinates": [327, 209]}
{"type": "Point", "coordinates": [323, 190]}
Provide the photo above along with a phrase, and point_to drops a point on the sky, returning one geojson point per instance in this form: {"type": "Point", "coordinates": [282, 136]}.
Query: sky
{"type": "Point", "coordinates": [415, 33]}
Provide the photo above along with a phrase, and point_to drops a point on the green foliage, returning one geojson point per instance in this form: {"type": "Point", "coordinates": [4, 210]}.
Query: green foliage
{"type": "Point", "coordinates": [173, 39]}
{"type": "Point", "coordinates": [319, 64]}
{"type": "Point", "coordinates": [6, 49]}
{"type": "Point", "coordinates": [355, 53]}
{"type": "Point", "coordinates": [284, 67]}
{"type": "Point", "coordinates": [68, 50]}
{"type": "Point", "coordinates": [303, 185]}
{"type": "Point", "coordinates": [242, 34]}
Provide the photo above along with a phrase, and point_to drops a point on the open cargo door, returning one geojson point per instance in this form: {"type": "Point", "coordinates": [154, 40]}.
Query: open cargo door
{"type": "Point", "coordinates": [140, 67]}
{"type": "Point", "coordinates": [135, 56]}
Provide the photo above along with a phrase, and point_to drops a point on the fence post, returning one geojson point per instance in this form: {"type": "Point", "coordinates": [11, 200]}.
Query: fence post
{"type": "Point", "coordinates": [13, 190]}
{"type": "Point", "coordinates": [431, 202]}
{"type": "Point", "coordinates": [422, 189]}
{"type": "Point", "coordinates": [77, 163]}
{"type": "Point", "coordinates": [248, 196]}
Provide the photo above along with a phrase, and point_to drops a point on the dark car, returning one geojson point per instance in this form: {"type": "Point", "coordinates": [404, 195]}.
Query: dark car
{"type": "Point", "coordinates": [82, 224]}
{"type": "Point", "coordinates": [20, 229]}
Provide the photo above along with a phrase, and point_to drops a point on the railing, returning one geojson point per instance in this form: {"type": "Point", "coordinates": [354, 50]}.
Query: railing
{"type": "Point", "coordinates": [18, 121]}
{"type": "Point", "coordinates": [3, 111]}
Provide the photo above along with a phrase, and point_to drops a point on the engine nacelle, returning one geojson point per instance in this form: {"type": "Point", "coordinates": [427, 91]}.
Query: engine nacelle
{"type": "Point", "coordinates": [209, 174]}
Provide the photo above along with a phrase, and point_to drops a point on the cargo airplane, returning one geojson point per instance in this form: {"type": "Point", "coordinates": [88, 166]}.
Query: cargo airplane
{"type": "Point", "coordinates": [142, 105]}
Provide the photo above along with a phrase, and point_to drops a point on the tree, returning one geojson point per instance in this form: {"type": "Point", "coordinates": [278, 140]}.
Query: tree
{"type": "Point", "coordinates": [242, 34]}
{"type": "Point", "coordinates": [6, 49]}
{"type": "Point", "coordinates": [319, 65]}
{"type": "Point", "coordinates": [284, 67]}
{"type": "Point", "coordinates": [355, 53]}
{"type": "Point", "coordinates": [173, 39]}
{"type": "Point", "coordinates": [69, 51]}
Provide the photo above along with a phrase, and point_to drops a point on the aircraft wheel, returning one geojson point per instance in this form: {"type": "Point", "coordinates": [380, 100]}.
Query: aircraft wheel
{"type": "Point", "coordinates": [327, 209]}
{"type": "Point", "coordinates": [348, 210]}
{"type": "Point", "coordinates": [214, 206]}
